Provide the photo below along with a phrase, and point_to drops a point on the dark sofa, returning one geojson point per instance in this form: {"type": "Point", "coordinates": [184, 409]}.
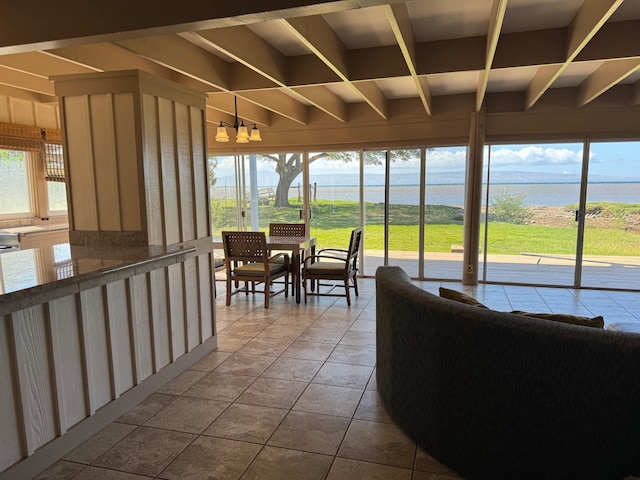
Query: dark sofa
{"type": "Point", "coordinates": [498, 396]}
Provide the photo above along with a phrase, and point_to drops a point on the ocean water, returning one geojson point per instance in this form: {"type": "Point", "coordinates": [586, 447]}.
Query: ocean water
{"type": "Point", "coordinates": [547, 194]}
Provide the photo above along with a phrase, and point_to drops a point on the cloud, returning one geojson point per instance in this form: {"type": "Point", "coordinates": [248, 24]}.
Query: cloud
{"type": "Point", "coordinates": [447, 159]}
{"type": "Point", "coordinates": [532, 155]}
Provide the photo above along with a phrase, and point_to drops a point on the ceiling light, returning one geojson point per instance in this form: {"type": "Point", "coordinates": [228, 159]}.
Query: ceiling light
{"type": "Point", "coordinates": [242, 132]}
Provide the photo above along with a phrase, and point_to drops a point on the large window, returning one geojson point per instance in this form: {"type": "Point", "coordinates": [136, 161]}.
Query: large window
{"type": "Point", "coordinates": [551, 213]}
{"type": "Point", "coordinates": [530, 197]}
{"type": "Point", "coordinates": [24, 191]}
{"type": "Point", "coordinates": [562, 214]}
{"type": "Point", "coordinates": [15, 196]}
{"type": "Point", "coordinates": [56, 197]}
{"type": "Point", "coordinates": [55, 177]}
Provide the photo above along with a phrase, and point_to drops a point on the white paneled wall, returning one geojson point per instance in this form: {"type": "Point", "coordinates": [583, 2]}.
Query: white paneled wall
{"type": "Point", "coordinates": [135, 158]}
{"type": "Point", "coordinates": [63, 360]}
{"type": "Point", "coordinates": [29, 112]}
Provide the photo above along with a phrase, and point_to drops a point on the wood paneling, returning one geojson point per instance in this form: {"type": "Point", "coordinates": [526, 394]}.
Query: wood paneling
{"type": "Point", "coordinates": [168, 179]}
{"type": "Point", "coordinates": [67, 361]}
{"type": "Point", "coordinates": [191, 303]}
{"type": "Point", "coordinates": [204, 265]}
{"type": "Point", "coordinates": [63, 360]}
{"type": "Point", "coordinates": [122, 361]}
{"type": "Point", "coordinates": [137, 161]}
{"type": "Point", "coordinates": [200, 173]}
{"type": "Point", "coordinates": [34, 376]}
{"type": "Point", "coordinates": [178, 329]}
{"type": "Point", "coordinates": [159, 307]}
{"type": "Point", "coordinates": [83, 211]}
{"type": "Point", "coordinates": [139, 301]}
{"type": "Point", "coordinates": [129, 169]}
{"type": "Point", "coordinates": [95, 348]}
{"type": "Point", "coordinates": [185, 174]}
{"type": "Point", "coordinates": [154, 201]}
{"type": "Point", "coordinates": [10, 422]}
{"type": "Point", "coordinates": [22, 112]}
{"type": "Point", "coordinates": [105, 162]}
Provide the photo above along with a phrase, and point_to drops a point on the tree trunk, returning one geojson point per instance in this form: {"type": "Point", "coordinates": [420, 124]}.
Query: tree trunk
{"type": "Point", "coordinates": [288, 171]}
{"type": "Point", "coordinates": [282, 191]}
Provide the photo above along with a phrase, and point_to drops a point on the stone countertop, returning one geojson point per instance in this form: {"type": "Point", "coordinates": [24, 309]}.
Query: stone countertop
{"type": "Point", "coordinates": [33, 229]}
{"type": "Point", "coordinates": [33, 276]}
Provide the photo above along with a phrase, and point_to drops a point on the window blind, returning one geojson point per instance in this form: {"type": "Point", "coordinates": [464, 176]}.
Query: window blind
{"type": "Point", "coordinates": [53, 162]}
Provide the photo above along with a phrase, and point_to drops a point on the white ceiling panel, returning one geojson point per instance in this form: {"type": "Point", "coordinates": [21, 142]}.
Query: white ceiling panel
{"type": "Point", "coordinates": [451, 83]}
{"type": "Point", "coordinates": [362, 28]}
{"type": "Point", "coordinates": [528, 15]}
{"type": "Point", "coordinates": [446, 19]}
{"type": "Point", "coordinates": [510, 79]}
{"type": "Point", "coordinates": [345, 92]}
{"type": "Point", "coordinates": [575, 74]}
{"type": "Point", "coordinates": [279, 36]}
{"type": "Point", "coordinates": [399, 87]}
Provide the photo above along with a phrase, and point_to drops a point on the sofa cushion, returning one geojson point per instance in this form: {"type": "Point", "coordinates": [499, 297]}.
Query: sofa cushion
{"type": "Point", "coordinates": [595, 322]}
{"type": "Point", "coordinates": [460, 297]}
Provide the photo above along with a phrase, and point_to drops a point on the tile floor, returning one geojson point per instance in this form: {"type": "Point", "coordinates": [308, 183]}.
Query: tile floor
{"type": "Point", "coordinates": [290, 393]}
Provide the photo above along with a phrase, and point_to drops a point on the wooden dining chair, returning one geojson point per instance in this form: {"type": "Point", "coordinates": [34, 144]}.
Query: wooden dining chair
{"type": "Point", "coordinates": [247, 260]}
{"type": "Point", "coordinates": [288, 230]}
{"type": "Point", "coordinates": [333, 264]}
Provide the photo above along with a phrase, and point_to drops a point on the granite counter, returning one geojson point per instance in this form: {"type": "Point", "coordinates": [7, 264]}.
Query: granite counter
{"type": "Point", "coordinates": [32, 276]}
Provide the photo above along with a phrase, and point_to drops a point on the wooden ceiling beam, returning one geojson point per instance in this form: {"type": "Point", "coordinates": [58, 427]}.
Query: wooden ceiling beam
{"type": "Point", "coordinates": [606, 76]}
{"type": "Point", "coordinates": [25, 81]}
{"type": "Point", "coordinates": [398, 15]}
{"type": "Point", "coordinates": [76, 22]}
{"type": "Point", "coordinates": [498, 9]}
{"type": "Point", "coordinates": [103, 57]}
{"type": "Point", "coordinates": [321, 95]}
{"type": "Point", "coordinates": [317, 35]}
{"type": "Point", "coordinates": [591, 16]}
{"type": "Point", "coordinates": [182, 56]}
{"type": "Point", "coordinates": [278, 101]}
{"type": "Point", "coordinates": [247, 111]}
{"type": "Point", "coordinates": [247, 48]}
{"type": "Point", "coordinates": [43, 65]}
{"type": "Point", "coordinates": [244, 46]}
{"type": "Point", "coordinates": [20, 94]}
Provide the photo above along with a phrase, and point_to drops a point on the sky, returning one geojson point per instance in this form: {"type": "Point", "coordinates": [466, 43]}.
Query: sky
{"type": "Point", "coordinates": [608, 161]}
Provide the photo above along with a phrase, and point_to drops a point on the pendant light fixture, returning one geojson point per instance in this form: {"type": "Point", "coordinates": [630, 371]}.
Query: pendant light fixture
{"type": "Point", "coordinates": [242, 132]}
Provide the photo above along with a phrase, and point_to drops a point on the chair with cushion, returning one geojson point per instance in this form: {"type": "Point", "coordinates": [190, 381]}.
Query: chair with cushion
{"type": "Point", "coordinates": [288, 230]}
{"type": "Point", "coordinates": [247, 260]}
{"type": "Point", "coordinates": [333, 264]}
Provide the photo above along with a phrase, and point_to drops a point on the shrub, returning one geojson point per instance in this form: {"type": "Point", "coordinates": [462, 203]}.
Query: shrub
{"type": "Point", "coordinates": [509, 208]}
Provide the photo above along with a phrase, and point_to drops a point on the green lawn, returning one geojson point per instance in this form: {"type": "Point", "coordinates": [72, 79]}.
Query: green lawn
{"type": "Point", "coordinates": [332, 222]}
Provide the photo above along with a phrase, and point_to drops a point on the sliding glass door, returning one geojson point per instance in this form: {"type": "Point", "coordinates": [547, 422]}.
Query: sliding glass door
{"type": "Point", "coordinates": [531, 193]}
{"type": "Point", "coordinates": [250, 191]}
{"type": "Point", "coordinates": [444, 212]}
{"type": "Point", "coordinates": [392, 197]}
{"type": "Point", "coordinates": [611, 250]}
{"type": "Point", "coordinates": [227, 192]}
{"type": "Point", "coordinates": [552, 214]}
{"type": "Point", "coordinates": [334, 197]}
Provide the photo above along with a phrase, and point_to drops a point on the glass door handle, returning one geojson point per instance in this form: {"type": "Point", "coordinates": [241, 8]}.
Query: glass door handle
{"type": "Point", "coordinates": [577, 214]}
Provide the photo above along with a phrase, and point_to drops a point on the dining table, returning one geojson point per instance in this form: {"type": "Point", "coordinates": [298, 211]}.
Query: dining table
{"type": "Point", "coordinates": [296, 245]}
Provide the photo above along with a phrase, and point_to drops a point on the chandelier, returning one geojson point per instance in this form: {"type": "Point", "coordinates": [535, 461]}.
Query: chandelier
{"type": "Point", "coordinates": [242, 133]}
